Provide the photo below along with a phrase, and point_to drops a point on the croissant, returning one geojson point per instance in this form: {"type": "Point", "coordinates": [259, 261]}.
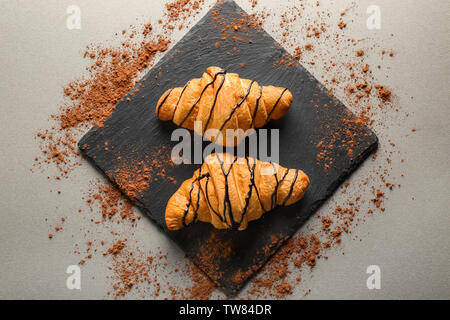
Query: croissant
{"type": "Point", "coordinates": [228, 192]}
{"type": "Point", "coordinates": [223, 101]}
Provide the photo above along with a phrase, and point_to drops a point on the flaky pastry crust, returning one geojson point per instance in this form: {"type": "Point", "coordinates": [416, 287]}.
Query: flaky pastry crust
{"type": "Point", "coordinates": [222, 101]}
{"type": "Point", "coordinates": [229, 192]}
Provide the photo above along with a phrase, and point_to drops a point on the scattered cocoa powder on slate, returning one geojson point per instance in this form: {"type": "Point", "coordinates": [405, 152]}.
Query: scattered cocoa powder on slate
{"type": "Point", "coordinates": [134, 177]}
{"type": "Point", "coordinates": [211, 253]}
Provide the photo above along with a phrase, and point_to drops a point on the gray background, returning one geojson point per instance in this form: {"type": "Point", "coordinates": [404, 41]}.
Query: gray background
{"type": "Point", "coordinates": [410, 241]}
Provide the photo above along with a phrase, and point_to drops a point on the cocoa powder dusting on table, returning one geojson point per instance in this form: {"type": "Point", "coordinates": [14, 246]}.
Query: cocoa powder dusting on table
{"type": "Point", "coordinates": [92, 100]}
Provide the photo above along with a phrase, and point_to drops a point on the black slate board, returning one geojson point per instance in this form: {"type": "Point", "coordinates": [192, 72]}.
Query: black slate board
{"type": "Point", "coordinates": [134, 133]}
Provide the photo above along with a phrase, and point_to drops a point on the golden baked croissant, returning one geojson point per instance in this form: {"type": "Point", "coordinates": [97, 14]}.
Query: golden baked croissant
{"type": "Point", "coordinates": [221, 101]}
{"type": "Point", "coordinates": [228, 192]}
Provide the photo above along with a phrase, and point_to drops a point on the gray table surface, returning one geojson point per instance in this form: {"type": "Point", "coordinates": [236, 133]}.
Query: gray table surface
{"type": "Point", "coordinates": [410, 241]}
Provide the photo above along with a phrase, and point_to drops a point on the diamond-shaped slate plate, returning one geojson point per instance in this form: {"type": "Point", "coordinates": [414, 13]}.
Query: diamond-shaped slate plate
{"type": "Point", "coordinates": [135, 134]}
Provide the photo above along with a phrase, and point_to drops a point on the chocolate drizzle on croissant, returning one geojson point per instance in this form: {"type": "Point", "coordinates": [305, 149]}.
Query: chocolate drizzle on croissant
{"type": "Point", "coordinates": [228, 192]}
{"type": "Point", "coordinates": [221, 101]}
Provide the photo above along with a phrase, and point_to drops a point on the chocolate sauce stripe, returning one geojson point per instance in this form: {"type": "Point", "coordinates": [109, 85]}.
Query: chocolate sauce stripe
{"type": "Point", "coordinates": [186, 211]}
{"type": "Point", "coordinates": [277, 187]}
{"type": "Point", "coordinates": [209, 203]}
{"type": "Point", "coordinates": [256, 107]}
{"type": "Point", "coordinates": [201, 94]}
{"type": "Point", "coordinates": [179, 99]}
{"type": "Point", "coordinates": [250, 191]}
{"type": "Point", "coordinates": [275, 105]}
{"type": "Point", "coordinates": [237, 106]}
{"type": "Point", "coordinates": [257, 194]}
{"type": "Point", "coordinates": [198, 197]}
{"type": "Point", "coordinates": [188, 205]}
{"type": "Point", "coordinates": [215, 98]}
{"type": "Point", "coordinates": [226, 199]}
{"type": "Point", "coordinates": [259, 199]}
{"type": "Point", "coordinates": [162, 102]}
{"type": "Point", "coordinates": [291, 189]}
